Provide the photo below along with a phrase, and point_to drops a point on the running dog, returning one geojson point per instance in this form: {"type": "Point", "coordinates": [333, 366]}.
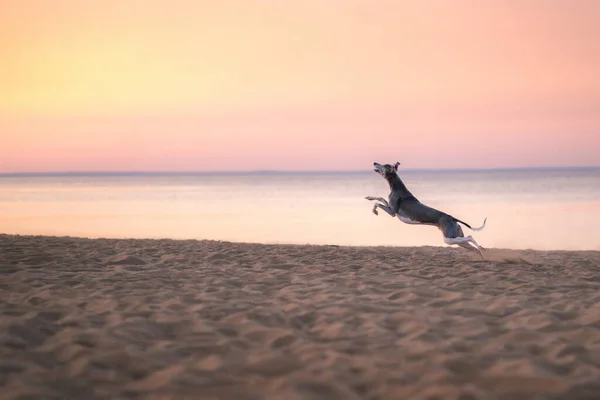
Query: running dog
{"type": "Point", "coordinates": [403, 204]}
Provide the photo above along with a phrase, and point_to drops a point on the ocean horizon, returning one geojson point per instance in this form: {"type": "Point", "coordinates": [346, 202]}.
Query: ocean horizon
{"type": "Point", "coordinates": [278, 172]}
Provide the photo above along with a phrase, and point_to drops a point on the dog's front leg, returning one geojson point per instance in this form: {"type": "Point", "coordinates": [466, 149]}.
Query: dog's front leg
{"type": "Point", "coordinates": [381, 199]}
{"type": "Point", "coordinates": [384, 207]}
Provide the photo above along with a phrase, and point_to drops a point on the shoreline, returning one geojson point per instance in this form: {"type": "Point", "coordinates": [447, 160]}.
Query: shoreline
{"type": "Point", "coordinates": [186, 319]}
{"type": "Point", "coordinates": [490, 250]}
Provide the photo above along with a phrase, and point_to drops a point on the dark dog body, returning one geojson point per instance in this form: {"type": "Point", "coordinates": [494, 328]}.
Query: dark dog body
{"type": "Point", "coordinates": [403, 204]}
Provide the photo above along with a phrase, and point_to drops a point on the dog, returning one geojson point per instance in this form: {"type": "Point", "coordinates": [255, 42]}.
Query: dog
{"type": "Point", "coordinates": [403, 204]}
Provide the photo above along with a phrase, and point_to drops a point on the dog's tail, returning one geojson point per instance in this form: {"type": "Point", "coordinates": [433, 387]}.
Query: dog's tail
{"type": "Point", "coordinates": [469, 226]}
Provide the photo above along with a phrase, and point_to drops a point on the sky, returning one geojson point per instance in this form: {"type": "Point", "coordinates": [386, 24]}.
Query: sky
{"type": "Point", "coordinates": [237, 85]}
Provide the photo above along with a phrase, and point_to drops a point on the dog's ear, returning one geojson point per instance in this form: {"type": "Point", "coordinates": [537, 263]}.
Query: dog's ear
{"type": "Point", "coordinates": [396, 165]}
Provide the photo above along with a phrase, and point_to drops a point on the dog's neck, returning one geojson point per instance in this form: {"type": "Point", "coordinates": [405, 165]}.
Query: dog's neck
{"type": "Point", "coordinates": [397, 186]}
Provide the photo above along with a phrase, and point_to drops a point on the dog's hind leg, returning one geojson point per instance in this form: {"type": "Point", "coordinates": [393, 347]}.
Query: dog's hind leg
{"type": "Point", "coordinates": [469, 246]}
{"type": "Point", "coordinates": [474, 242]}
{"type": "Point", "coordinates": [465, 243]}
{"type": "Point", "coordinates": [453, 234]}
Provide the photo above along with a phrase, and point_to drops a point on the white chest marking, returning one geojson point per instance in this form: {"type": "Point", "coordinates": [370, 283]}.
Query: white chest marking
{"type": "Point", "coordinates": [407, 220]}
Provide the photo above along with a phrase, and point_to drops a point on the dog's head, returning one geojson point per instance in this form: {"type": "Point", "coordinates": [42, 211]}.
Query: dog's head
{"type": "Point", "coordinates": [386, 170]}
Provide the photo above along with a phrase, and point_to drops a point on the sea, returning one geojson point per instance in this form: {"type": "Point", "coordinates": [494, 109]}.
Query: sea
{"type": "Point", "coordinates": [543, 209]}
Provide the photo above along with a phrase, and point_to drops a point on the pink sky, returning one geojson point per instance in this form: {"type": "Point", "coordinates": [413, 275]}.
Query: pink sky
{"type": "Point", "coordinates": [290, 85]}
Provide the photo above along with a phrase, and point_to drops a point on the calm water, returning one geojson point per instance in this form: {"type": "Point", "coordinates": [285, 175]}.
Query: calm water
{"type": "Point", "coordinates": [540, 209]}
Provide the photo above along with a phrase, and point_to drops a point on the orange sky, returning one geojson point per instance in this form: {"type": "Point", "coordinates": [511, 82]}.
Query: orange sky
{"type": "Point", "coordinates": [290, 85]}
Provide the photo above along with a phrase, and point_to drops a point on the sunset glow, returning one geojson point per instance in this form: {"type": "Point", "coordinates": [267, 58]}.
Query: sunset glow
{"type": "Point", "coordinates": [311, 85]}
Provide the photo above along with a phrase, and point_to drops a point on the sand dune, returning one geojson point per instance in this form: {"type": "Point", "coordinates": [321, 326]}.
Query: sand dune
{"type": "Point", "coordinates": [163, 319]}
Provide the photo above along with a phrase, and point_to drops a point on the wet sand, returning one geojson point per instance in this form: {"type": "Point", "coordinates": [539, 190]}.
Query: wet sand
{"type": "Point", "coordinates": [164, 319]}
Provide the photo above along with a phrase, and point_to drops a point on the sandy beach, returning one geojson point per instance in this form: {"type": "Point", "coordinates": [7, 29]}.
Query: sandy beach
{"type": "Point", "coordinates": [164, 319]}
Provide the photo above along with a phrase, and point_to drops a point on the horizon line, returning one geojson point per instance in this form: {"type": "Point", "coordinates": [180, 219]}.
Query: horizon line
{"type": "Point", "coordinates": [273, 172]}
